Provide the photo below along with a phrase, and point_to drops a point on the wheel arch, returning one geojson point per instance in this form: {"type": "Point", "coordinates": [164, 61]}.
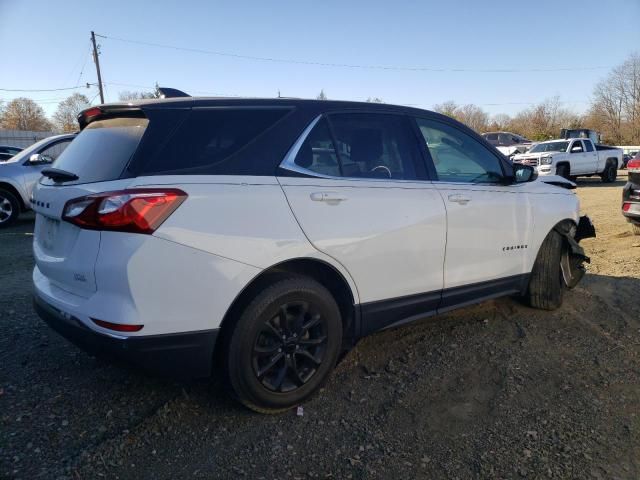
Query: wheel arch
{"type": "Point", "coordinates": [322, 271]}
{"type": "Point", "coordinates": [4, 185]}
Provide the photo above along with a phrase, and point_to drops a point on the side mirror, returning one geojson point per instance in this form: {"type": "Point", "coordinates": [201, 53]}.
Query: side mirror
{"type": "Point", "coordinates": [39, 159]}
{"type": "Point", "coordinates": [524, 173]}
{"type": "Point", "coordinates": [576, 150]}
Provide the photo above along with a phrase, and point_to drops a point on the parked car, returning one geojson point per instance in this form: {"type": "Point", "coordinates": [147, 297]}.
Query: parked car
{"type": "Point", "coordinates": [509, 144]}
{"type": "Point", "coordinates": [572, 158]}
{"type": "Point", "coordinates": [631, 194]}
{"type": "Point", "coordinates": [267, 236]}
{"type": "Point", "coordinates": [7, 151]}
{"type": "Point", "coordinates": [627, 157]}
{"type": "Point", "coordinates": [19, 174]}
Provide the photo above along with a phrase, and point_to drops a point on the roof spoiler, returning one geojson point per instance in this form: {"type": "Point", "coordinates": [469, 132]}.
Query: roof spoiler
{"type": "Point", "coordinates": [166, 92]}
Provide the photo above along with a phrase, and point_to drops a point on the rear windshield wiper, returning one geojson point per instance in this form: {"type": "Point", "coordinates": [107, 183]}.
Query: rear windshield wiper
{"type": "Point", "coordinates": [58, 175]}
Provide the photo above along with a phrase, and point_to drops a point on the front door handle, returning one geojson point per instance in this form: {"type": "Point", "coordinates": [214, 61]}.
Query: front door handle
{"type": "Point", "coordinates": [329, 197]}
{"type": "Point", "coordinates": [461, 199]}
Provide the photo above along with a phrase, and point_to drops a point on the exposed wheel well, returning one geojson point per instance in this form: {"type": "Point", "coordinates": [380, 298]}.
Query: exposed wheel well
{"type": "Point", "coordinates": [318, 270]}
{"type": "Point", "coordinates": [612, 160]}
{"type": "Point", "coordinates": [10, 188]}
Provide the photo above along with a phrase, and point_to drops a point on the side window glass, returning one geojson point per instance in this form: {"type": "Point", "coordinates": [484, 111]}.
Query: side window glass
{"type": "Point", "coordinates": [317, 153]}
{"type": "Point", "coordinates": [577, 147]}
{"type": "Point", "coordinates": [504, 139]}
{"type": "Point", "coordinates": [375, 146]}
{"type": "Point", "coordinates": [458, 157]}
{"type": "Point", "coordinates": [52, 152]}
{"type": "Point", "coordinates": [588, 146]}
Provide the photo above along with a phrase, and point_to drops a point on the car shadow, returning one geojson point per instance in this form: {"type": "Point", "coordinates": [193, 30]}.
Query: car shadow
{"type": "Point", "coordinates": [594, 182]}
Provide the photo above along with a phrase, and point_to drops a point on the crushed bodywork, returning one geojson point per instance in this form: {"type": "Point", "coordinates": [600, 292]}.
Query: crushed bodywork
{"type": "Point", "coordinates": [573, 256]}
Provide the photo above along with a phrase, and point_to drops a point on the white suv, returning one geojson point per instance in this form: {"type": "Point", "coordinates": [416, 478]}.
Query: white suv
{"type": "Point", "coordinates": [266, 236]}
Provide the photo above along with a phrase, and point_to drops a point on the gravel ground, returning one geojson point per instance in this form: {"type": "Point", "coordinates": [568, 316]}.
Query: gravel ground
{"type": "Point", "coordinates": [492, 391]}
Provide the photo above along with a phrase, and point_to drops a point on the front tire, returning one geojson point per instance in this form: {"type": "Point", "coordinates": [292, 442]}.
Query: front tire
{"type": "Point", "coordinates": [563, 171]}
{"type": "Point", "coordinates": [284, 345]}
{"type": "Point", "coordinates": [546, 285]}
{"type": "Point", "coordinates": [9, 208]}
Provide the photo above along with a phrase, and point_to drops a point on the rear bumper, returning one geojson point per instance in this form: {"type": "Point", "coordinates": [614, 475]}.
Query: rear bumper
{"type": "Point", "coordinates": [180, 355]}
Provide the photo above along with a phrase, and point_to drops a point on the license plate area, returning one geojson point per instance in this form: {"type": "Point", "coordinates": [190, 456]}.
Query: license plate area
{"type": "Point", "coordinates": [50, 229]}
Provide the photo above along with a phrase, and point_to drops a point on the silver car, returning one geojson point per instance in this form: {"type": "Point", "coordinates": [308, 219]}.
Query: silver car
{"type": "Point", "coordinates": [19, 174]}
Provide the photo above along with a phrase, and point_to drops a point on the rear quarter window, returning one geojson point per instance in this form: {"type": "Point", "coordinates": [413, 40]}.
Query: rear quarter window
{"type": "Point", "coordinates": [212, 137]}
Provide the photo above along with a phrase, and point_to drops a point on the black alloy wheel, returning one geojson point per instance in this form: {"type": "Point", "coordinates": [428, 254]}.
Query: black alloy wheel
{"type": "Point", "coordinates": [290, 347]}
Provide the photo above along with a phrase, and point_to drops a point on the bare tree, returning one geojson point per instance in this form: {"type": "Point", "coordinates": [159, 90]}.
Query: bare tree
{"type": "Point", "coordinates": [374, 100]}
{"type": "Point", "coordinates": [499, 122]}
{"type": "Point", "coordinates": [615, 110]}
{"type": "Point", "coordinates": [448, 108]}
{"type": "Point", "coordinates": [321, 95]}
{"type": "Point", "coordinates": [65, 116]}
{"type": "Point", "coordinates": [24, 114]}
{"type": "Point", "coordinates": [544, 120]}
{"type": "Point", "coordinates": [126, 95]}
{"type": "Point", "coordinates": [471, 115]}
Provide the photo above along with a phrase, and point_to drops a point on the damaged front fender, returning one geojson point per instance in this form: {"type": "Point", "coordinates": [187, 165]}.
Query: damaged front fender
{"type": "Point", "coordinates": [573, 256]}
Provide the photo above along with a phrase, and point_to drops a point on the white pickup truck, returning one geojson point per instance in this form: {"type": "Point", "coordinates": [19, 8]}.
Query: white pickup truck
{"type": "Point", "coordinates": [573, 158]}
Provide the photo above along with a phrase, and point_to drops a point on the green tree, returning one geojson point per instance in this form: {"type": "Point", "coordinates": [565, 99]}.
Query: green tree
{"type": "Point", "coordinates": [321, 95]}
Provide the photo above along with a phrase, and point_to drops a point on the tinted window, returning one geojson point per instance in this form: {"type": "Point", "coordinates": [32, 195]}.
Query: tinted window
{"type": "Point", "coordinates": [504, 139]}
{"type": "Point", "coordinates": [375, 146]}
{"type": "Point", "coordinates": [52, 152]}
{"type": "Point", "coordinates": [212, 136]}
{"type": "Point", "coordinates": [492, 137]}
{"type": "Point", "coordinates": [588, 146]}
{"type": "Point", "coordinates": [102, 150]}
{"type": "Point", "coordinates": [458, 157]}
{"type": "Point", "coordinates": [317, 153]}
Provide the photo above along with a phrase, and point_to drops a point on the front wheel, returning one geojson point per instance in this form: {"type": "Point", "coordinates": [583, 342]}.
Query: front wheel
{"type": "Point", "coordinates": [9, 208]}
{"type": "Point", "coordinates": [563, 171]}
{"type": "Point", "coordinates": [284, 345]}
{"type": "Point", "coordinates": [546, 285]}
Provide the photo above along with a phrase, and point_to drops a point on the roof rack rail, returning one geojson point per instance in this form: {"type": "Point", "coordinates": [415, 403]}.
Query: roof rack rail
{"type": "Point", "coordinates": [166, 92]}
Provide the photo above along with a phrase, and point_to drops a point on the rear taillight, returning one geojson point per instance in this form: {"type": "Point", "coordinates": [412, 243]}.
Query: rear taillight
{"type": "Point", "coordinates": [634, 165]}
{"type": "Point", "coordinates": [135, 211]}
{"type": "Point", "coordinates": [626, 207]}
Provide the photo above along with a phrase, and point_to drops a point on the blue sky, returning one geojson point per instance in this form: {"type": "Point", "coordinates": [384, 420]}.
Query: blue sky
{"type": "Point", "coordinates": [45, 44]}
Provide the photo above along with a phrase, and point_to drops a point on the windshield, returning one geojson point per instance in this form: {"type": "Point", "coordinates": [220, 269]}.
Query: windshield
{"type": "Point", "coordinates": [550, 147]}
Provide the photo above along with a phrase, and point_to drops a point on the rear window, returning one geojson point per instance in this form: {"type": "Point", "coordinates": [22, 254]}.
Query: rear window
{"type": "Point", "coordinates": [102, 150]}
{"type": "Point", "coordinates": [210, 137]}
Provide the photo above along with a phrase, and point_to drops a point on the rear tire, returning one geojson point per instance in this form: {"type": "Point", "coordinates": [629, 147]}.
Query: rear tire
{"type": "Point", "coordinates": [609, 174]}
{"type": "Point", "coordinates": [284, 345]}
{"type": "Point", "coordinates": [546, 285]}
{"type": "Point", "coordinates": [635, 228]}
{"type": "Point", "coordinates": [9, 208]}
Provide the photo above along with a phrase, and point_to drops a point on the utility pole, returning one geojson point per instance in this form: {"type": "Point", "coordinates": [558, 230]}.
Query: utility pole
{"type": "Point", "coordinates": [97, 62]}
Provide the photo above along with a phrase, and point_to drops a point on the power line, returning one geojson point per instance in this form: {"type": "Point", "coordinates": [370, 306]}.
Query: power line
{"type": "Point", "coordinates": [355, 66]}
{"type": "Point", "coordinates": [38, 89]}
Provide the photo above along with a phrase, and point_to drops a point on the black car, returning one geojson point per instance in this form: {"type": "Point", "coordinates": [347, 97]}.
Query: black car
{"type": "Point", "coordinates": [8, 151]}
{"type": "Point", "coordinates": [631, 194]}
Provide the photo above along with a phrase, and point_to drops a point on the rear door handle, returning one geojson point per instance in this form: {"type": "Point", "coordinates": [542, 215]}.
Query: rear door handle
{"type": "Point", "coordinates": [329, 197]}
{"type": "Point", "coordinates": [461, 199]}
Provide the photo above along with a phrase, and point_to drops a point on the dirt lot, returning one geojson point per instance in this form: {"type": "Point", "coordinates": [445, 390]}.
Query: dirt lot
{"type": "Point", "coordinates": [493, 391]}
